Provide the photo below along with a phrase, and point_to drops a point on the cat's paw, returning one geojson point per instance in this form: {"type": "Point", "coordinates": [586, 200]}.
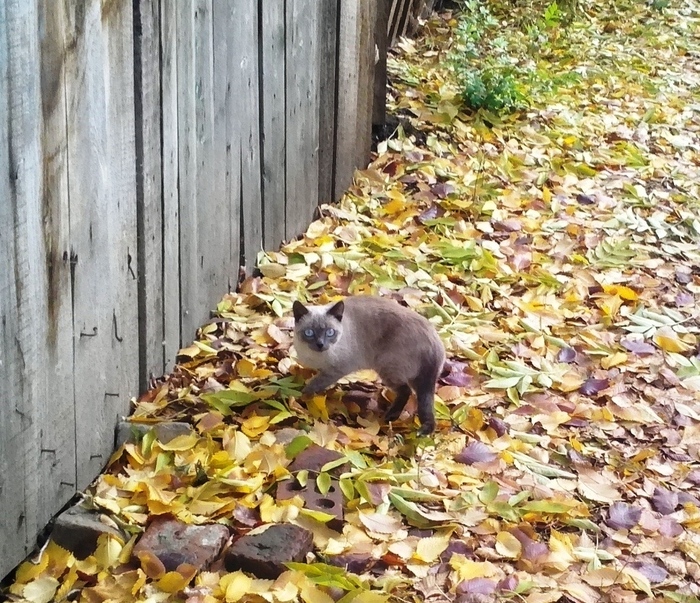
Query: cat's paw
{"type": "Point", "coordinates": [392, 415]}
{"type": "Point", "coordinates": [426, 429]}
{"type": "Point", "coordinates": [310, 389]}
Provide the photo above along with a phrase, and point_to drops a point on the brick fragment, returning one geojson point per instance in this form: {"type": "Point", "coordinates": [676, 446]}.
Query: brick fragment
{"type": "Point", "coordinates": [175, 543]}
{"type": "Point", "coordinates": [78, 528]}
{"type": "Point", "coordinates": [263, 554]}
{"type": "Point", "coordinates": [313, 458]}
{"type": "Point", "coordinates": [331, 502]}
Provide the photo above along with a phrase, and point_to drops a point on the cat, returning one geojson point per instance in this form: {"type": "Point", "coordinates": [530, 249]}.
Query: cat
{"type": "Point", "coordinates": [368, 332]}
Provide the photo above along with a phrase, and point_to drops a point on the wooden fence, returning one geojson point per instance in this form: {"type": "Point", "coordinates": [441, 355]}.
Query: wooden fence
{"type": "Point", "coordinates": [147, 148]}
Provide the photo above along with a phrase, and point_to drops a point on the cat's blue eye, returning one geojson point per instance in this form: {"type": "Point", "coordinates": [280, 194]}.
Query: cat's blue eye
{"type": "Point", "coordinates": [309, 333]}
{"type": "Point", "coordinates": [330, 332]}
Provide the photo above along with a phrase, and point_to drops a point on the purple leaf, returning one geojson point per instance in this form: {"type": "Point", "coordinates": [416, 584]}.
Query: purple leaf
{"type": "Point", "coordinates": [640, 348]}
{"type": "Point", "coordinates": [476, 452]}
{"type": "Point", "coordinates": [593, 386]}
{"type": "Point", "coordinates": [693, 477]}
{"type": "Point", "coordinates": [664, 501]}
{"type": "Point", "coordinates": [499, 426]}
{"type": "Point", "coordinates": [651, 571]}
{"type": "Point", "coordinates": [687, 497]}
{"type": "Point", "coordinates": [584, 199]}
{"type": "Point", "coordinates": [622, 515]}
{"type": "Point", "coordinates": [683, 278]}
{"type": "Point", "coordinates": [684, 299]}
{"type": "Point", "coordinates": [414, 156]}
{"type": "Point", "coordinates": [669, 527]}
{"type": "Point", "coordinates": [442, 189]}
{"type": "Point", "coordinates": [509, 583]}
{"type": "Point", "coordinates": [456, 546]}
{"type": "Point", "coordinates": [566, 355]}
{"type": "Point", "coordinates": [476, 586]}
{"type": "Point", "coordinates": [429, 214]}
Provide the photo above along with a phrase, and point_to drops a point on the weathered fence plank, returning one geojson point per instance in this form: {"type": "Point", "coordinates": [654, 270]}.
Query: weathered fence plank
{"type": "Point", "coordinates": [244, 36]}
{"type": "Point", "coordinates": [57, 465]}
{"type": "Point", "coordinates": [273, 99]}
{"type": "Point", "coordinates": [302, 70]}
{"type": "Point", "coordinates": [171, 194]}
{"type": "Point", "coordinates": [355, 80]}
{"type": "Point", "coordinates": [149, 187]}
{"type": "Point", "coordinates": [229, 66]}
{"type": "Point", "coordinates": [15, 415]}
{"type": "Point", "coordinates": [101, 156]}
{"type": "Point", "coordinates": [225, 210]}
{"type": "Point", "coordinates": [328, 91]}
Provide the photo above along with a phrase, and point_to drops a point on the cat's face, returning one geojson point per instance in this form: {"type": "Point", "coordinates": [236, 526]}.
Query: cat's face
{"type": "Point", "coordinates": [318, 327]}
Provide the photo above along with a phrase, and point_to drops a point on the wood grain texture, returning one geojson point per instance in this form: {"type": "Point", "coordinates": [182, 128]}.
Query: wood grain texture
{"type": "Point", "coordinates": [171, 193]}
{"type": "Point", "coordinates": [57, 463]}
{"type": "Point", "coordinates": [149, 188]}
{"type": "Point", "coordinates": [327, 90]}
{"type": "Point", "coordinates": [273, 140]}
{"type": "Point", "coordinates": [15, 417]}
{"type": "Point", "coordinates": [355, 81]}
{"type": "Point", "coordinates": [244, 36]}
{"type": "Point", "coordinates": [225, 208]}
{"type": "Point", "coordinates": [303, 71]}
{"type": "Point", "coordinates": [101, 158]}
{"type": "Point", "coordinates": [228, 148]}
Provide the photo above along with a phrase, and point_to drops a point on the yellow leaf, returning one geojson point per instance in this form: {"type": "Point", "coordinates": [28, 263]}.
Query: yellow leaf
{"type": "Point", "coordinates": [508, 546]}
{"type": "Point", "coordinates": [312, 594]}
{"type": "Point", "coordinates": [317, 407]}
{"type": "Point", "coordinates": [108, 551]}
{"type": "Point", "coordinates": [667, 339]}
{"type": "Point", "coordinates": [624, 292]}
{"type": "Point", "coordinates": [67, 583]}
{"type": "Point", "coordinates": [140, 581]}
{"type": "Point", "coordinates": [546, 194]}
{"type": "Point", "coordinates": [29, 571]}
{"type": "Point", "coordinates": [186, 441]}
{"type": "Point", "coordinates": [173, 582]}
{"type": "Point", "coordinates": [41, 590]}
{"type": "Point", "coordinates": [236, 586]}
{"type": "Point", "coordinates": [255, 425]}
{"type": "Point", "coordinates": [430, 548]}
{"type": "Point", "coordinates": [190, 351]}
{"type": "Point", "coordinates": [245, 367]}
{"type": "Point", "coordinates": [613, 360]}
{"type": "Point", "coordinates": [394, 207]}
{"type": "Point", "coordinates": [239, 446]}
{"type": "Point", "coordinates": [468, 570]}
{"type": "Point", "coordinates": [610, 305]}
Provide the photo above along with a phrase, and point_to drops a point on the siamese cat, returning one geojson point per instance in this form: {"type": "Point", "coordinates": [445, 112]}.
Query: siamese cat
{"type": "Point", "coordinates": [367, 332]}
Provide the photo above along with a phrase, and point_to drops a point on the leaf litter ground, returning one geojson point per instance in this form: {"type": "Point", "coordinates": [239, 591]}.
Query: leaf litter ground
{"type": "Point", "coordinates": [557, 252]}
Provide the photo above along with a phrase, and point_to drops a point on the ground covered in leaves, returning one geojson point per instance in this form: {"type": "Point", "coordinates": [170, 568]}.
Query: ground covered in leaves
{"type": "Point", "coordinates": [556, 249]}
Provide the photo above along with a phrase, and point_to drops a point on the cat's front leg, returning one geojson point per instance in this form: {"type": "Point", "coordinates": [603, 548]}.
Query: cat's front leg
{"type": "Point", "coordinates": [321, 381]}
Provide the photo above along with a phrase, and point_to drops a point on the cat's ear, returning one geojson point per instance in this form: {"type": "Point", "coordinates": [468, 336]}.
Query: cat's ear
{"type": "Point", "coordinates": [299, 310]}
{"type": "Point", "coordinates": [337, 310]}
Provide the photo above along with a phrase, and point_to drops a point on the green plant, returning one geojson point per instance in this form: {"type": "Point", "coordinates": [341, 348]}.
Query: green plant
{"type": "Point", "coordinates": [491, 89]}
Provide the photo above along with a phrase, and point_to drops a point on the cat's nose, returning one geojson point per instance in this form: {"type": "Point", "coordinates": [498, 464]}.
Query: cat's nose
{"type": "Point", "coordinates": [319, 345]}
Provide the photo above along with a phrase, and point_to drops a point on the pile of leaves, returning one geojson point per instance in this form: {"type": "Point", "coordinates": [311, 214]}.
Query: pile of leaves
{"type": "Point", "coordinates": [556, 250]}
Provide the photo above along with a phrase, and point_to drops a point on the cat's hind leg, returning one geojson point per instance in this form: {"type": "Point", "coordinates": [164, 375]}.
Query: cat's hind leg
{"type": "Point", "coordinates": [424, 386]}
{"type": "Point", "coordinates": [403, 392]}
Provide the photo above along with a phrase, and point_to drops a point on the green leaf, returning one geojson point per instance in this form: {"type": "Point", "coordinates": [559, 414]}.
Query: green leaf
{"type": "Point", "coordinates": [297, 445]}
{"type": "Point", "coordinates": [323, 483]}
{"type": "Point", "coordinates": [489, 492]}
